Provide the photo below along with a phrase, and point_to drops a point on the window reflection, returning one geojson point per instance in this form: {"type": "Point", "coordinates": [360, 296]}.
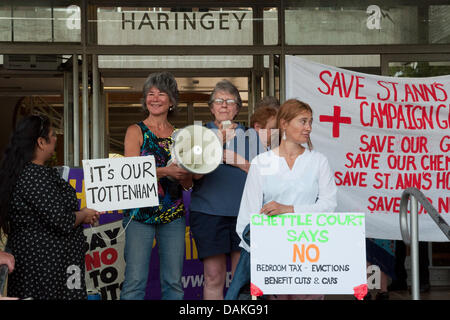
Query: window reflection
{"type": "Point", "coordinates": [40, 23]}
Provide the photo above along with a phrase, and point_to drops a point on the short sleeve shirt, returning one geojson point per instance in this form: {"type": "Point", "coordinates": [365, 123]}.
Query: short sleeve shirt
{"type": "Point", "coordinates": [219, 192]}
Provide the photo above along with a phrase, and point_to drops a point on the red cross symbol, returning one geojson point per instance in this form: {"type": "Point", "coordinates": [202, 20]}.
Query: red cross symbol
{"type": "Point", "coordinates": [336, 119]}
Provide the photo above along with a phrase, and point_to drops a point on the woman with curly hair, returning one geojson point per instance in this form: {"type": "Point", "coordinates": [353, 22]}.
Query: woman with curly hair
{"type": "Point", "coordinates": [166, 222]}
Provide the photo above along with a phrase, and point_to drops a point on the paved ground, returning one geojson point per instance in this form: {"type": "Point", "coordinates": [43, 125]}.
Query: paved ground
{"type": "Point", "coordinates": [435, 293]}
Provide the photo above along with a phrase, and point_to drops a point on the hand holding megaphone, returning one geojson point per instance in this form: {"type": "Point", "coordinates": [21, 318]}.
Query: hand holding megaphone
{"type": "Point", "coordinates": [175, 172]}
{"type": "Point", "coordinates": [197, 150]}
{"type": "Point", "coordinates": [232, 158]}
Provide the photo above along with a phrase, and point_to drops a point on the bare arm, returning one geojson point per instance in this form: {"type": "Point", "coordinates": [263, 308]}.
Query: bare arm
{"type": "Point", "coordinates": [87, 216]}
{"type": "Point", "coordinates": [133, 141]}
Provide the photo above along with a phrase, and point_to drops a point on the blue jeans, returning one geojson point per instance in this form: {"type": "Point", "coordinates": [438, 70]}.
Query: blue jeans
{"type": "Point", "coordinates": [139, 237]}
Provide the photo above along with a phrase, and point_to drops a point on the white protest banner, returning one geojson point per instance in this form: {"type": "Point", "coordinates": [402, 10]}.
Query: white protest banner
{"type": "Point", "coordinates": [319, 253]}
{"type": "Point", "coordinates": [120, 183]}
{"type": "Point", "coordinates": [105, 264]}
{"type": "Point", "coordinates": [381, 135]}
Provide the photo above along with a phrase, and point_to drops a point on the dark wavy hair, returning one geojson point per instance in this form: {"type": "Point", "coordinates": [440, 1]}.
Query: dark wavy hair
{"type": "Point", "coordinates": [19, 151]}
{"type": "Point", "coordinates": [164, 82]}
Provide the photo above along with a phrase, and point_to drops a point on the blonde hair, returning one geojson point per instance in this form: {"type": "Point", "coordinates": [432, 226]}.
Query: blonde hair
{"type": "Point", "coordinates": [289, 110]}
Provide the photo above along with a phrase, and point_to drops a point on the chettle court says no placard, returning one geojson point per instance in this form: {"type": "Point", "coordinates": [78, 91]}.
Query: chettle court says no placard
{"type": "Point", "coordinates": [120, 183]}
{"type": "Point", "coordinates": [317, 253]}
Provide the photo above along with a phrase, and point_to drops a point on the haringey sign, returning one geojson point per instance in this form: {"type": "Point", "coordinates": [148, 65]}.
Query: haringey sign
{"type": "Point", "coordinates": [182, 21]}
{"type": "Point", "coordinates": [176, 28]}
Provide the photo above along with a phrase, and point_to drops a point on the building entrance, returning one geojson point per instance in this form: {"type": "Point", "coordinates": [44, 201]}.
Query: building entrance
{"type": "Point", "coordinates": [124, 107]}
{"type": "Point", "coordinates": [115, 94]}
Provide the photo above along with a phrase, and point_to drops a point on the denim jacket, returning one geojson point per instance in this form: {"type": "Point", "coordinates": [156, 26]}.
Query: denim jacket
{"type": "Point", "coordinates": [242, 273]}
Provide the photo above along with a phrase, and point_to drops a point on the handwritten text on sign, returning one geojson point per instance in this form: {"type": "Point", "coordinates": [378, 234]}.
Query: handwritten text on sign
{"type": "Point", "coordinates": [104, 262]}
{"type": "Point", "coordinates": [120, 183]}
{"type": "Point", "coordinates": [320, 253]}
{"type": "Point", "coordinates": [381, 135]}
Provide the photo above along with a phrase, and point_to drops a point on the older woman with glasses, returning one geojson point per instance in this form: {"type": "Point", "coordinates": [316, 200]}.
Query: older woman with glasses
{"type": "Point", "coordinates": [166, 222]}
{"type": "Point", "coordinates": [216, 196]}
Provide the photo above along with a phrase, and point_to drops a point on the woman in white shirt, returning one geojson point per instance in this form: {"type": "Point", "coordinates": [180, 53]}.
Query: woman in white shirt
{"type": "Point", "coordinates": [290, 178]}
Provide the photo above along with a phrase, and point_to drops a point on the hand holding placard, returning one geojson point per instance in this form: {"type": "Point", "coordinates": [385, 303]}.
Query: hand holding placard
{"type": "Point", "coordinates": [317, 253]}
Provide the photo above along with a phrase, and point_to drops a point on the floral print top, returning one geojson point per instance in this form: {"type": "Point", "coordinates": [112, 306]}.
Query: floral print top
{"type": "Point", "coordinates": [170, 195]}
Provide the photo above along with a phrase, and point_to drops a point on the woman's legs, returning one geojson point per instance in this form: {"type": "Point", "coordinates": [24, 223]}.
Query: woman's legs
{"type": "Point", "coordinates": [215, 271]}
{"type": "Point", "coordinates": [138, 248]}
{"type": "Point", "coordinates": [171, 246]}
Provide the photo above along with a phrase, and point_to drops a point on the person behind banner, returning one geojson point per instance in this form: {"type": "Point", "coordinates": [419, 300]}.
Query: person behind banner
{"type": "Point", "coordinates": [262, 128]}
{"type": "Point", "coordinates": [267, 101]}
{"type": "Point", "coordinates": [39, 214]}
{"type": "Point", "coordinates": [291, 178]}
{"type": "Point", "coordinates": [264, 122]}
{"type": "Point", "coordinates": [166, 222]}
{"type": "Point", "coordinates": [215, 197]}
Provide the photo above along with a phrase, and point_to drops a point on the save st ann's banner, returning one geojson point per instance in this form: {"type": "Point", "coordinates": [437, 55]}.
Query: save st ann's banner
{"type": "Point", "coordinates": [381, 135]}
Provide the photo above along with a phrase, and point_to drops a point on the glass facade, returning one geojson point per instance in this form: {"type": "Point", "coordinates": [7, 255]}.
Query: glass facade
{"type": "Point", "coordinates": [305, 22]}
{"type": "Point", "coordinates": [40, 23]}
{"type": "Point", "coordinates": [364, 23]}
{"type": "Point", "coordinates": [271, 26]}
{"type": "Point", "coordinates": [5, 23]}
{"type": "Point", "coordinates": [129, 62]}
{"type": "Point", "coordinates": [419, 69]}
{"type": "Point", "coordinates": [439, 27]}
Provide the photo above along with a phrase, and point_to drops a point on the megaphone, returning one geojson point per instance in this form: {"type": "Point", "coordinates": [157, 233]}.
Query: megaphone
{"type": "Point", "coordinates": [197, 149]}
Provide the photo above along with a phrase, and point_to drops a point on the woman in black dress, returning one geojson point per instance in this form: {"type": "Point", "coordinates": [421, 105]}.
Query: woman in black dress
{"type": "Point", "coordinates": [39, 213]}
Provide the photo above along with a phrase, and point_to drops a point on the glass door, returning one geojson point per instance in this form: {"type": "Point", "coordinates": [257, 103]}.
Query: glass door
{"type": "Point", "coordinates": [124, 93]}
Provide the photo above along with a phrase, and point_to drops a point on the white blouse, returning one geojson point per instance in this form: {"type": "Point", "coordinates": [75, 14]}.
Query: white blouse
{"type": "Point", "coordinates": [309, 186]}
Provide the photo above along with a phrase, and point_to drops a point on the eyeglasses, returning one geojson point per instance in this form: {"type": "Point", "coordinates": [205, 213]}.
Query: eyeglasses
{"type": "Point", "coordinates": [229, 102]}
{"type": "Point", "coordinates": [159, 94]}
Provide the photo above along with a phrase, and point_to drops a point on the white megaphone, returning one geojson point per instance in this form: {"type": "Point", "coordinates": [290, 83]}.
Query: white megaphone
{"type": "Point", "coordinates": [196, 149]}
